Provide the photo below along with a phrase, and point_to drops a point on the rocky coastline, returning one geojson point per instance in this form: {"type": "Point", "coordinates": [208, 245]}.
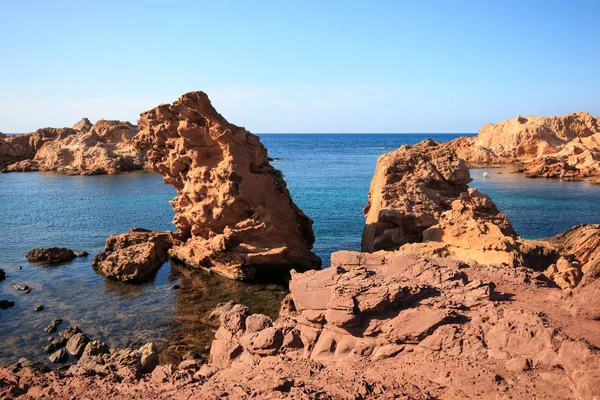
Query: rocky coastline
{"type": "Point", "coordinates": [105, 147]}
{"type": "Point", "coordinates": [565, 147]}
{"type": "Point", "coordinates": [445, 300]}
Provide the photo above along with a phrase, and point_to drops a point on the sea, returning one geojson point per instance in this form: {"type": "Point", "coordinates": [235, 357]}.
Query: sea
{"type": "Point", "coordinates": [328, 176]}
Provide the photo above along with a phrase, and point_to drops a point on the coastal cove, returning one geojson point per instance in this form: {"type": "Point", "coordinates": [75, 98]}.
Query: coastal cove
{"type": "Point", "coordinates": [328, 177]}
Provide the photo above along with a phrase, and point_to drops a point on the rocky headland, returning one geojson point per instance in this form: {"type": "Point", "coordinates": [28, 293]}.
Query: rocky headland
{"type": "Point", "coordinates": [235, 216]}
{"type": "Point", "coordinates": [565, 147]}
{"type": "Point", "coordinates": [444, 301]}
{"type": "Point", "coordinates": [105, 147]}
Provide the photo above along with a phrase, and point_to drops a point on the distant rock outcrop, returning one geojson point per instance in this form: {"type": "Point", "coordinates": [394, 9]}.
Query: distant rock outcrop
{"type": "Point", "coordinates": [103, 148]}
{"type": "Point", "coordinates": [133, 256]}
{"type": "Point", "coordinates": [554, 147]}
{"type": "Point", "coordinates": [235, 216]}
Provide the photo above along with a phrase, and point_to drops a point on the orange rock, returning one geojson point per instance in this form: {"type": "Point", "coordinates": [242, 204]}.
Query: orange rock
{"type": "Point", "coordinates": [554, 147]}
{"type": "Point", "coordinates": [235, 216]}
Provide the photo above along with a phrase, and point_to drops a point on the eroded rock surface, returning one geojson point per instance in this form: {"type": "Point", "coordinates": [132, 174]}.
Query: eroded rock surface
{"type": "Point", "coordinates": [554, 147]}
{"type": "Point", "coordinates": [133, 256]}
{"type": "Point", "coordinates": [411, 188]}
{"type": "Point", "coordinates": [235, 216]}
{"type": "Point", "coordinates": [373, 326]}
{"type": "Point", "coordinates": [103, 148]}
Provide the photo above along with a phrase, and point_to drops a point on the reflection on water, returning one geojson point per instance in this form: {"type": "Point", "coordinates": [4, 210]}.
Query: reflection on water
{"type": "Point", "coordinates": [200, 292]}
{"type": "Point", "coordinates": [122, 314]}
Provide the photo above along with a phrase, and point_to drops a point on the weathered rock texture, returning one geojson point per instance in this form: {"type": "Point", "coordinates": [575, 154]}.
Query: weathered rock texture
{"type": "Point", "coordinates": [235, 216]}
{"type": "Point", "coordinates": [419, 201]}
{"type": "Point", "coordinates": [104, 148]}
{"type": "Point", "coordinates": [553, 147]}
{"type": "Point", "coordinates": [388, 325]}
{"type": "Point", "coordinates": [411, 188]}
{"type": "Point", "coordinates": [133, 256]}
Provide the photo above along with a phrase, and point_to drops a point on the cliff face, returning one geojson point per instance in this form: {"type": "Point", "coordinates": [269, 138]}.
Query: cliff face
{"type": "Point", "coordinates": [104, 148]}
{"type": "Point", "coordinates": [235, 215]}
{"type": "Point", "coordinates": [554, 147]}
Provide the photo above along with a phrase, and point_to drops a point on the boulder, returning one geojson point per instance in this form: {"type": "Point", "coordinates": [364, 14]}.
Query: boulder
{"type": "Point", "coordinates": [235, 216]}
{"type": "Point", "coordinates": [51, 255]}
{"type": "Point", "coordinates": [133, 256]}
{"type": "Point", "coordinates": [60, 356]}
{"type": "Point", "coordinates": [83, 125]}
{"type": "Point", "coordinates": [76, 344]}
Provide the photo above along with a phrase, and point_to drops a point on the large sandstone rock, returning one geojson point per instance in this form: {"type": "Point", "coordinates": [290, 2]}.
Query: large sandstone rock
{"type": "Point", "coordinates": [411, 188]}
{"type": "Point", "coordinates": [554, 147]}
{"type": "Point", "coordinates": [133, 256]}
{"type": "Point", "coordinates": [235, 216]}
{"type": "Point", "coordinates": [104, 148]}
{"type": "Point", "coordinates": [419, 202]}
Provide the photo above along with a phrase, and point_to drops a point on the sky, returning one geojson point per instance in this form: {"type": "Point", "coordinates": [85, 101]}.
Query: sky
{"type": "Point", "coordinates": [303, 66]}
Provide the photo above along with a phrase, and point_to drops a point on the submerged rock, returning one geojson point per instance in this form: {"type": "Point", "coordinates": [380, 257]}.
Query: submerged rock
{"type": "Point", "coordinates": [53, 325]}
{"type": "Point", "coordinates": [51, 255]}
{"type": "Point", "coordinates": [4, 304]}
{"type": "Point", "coordinates": [133, 256]}
{"type": "Point", "coordinates": [2, 275]}
{"type": "Point", "coordinates": [235, 215]}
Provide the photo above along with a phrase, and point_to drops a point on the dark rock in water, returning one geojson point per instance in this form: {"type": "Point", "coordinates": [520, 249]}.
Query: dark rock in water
{"type": "Point", "coordinates": [192, 355]}
{"type": "Point", "coordinates": [59, 357]}
{"type": "Point", "coordinates": [19, 267]}
{"type": "Point", "coordinates": [50, 255]}
{"type": "Point", "coordinates": [176, 287]}
{"type": "Point", "coordinates": [56, 344]}
{"type": "Point", "coordinates": [70, 331]}
{"type": "Point", "coordinates": [26, 363]}
{"type": "Point", "coordinates": [2, 275]}
{"type": "Point", "coordinates": [52, 327]}
{"type": "Point", "coordinates": [4, 304]}
{"type": "Point", "coordinates": [23, 288]}
{"type": "Point", "coordinates": [76, 344]}
{"type": "Point", "coordinates": [82, 253]}
{"type": "Point", "coordinates": [39, 307]}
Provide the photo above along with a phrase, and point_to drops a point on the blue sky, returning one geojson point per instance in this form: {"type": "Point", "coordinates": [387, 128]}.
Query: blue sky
{"type": "Point", "coordinates": [305, 66]}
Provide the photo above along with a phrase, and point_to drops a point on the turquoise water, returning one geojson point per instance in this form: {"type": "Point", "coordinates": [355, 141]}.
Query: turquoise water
{"type": "Point", "coordinates": [328, 176]}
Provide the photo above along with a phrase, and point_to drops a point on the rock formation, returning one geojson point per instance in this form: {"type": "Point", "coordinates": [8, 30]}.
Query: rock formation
{"type": "Point", "coordinates": [51, 255]}
{"type": "Point", "coordinates": [104, 148]}
{"type": "Point", "coordinates": [370, 326]}
{"type": "Point", "coordinates": [554, 147]}
{"type": "Point", "coordinates": [235, 216]}
{"type": "Point", "coordinates": [411, 188]}
{"type": "Point", "coordinates": [133, 256]}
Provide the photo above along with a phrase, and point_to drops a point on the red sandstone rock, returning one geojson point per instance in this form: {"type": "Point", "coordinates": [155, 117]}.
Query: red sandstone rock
{"type": "Point", "coordinates": [411, 188]}
{"type": "Point", "coordinates": [104, 148]}
{"type": "Point", "coordinates": [235, 216]}
{"type": "Point", "coordinates": [554, 147]}
{"type": "Point", "coordinates": [134, 255]}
